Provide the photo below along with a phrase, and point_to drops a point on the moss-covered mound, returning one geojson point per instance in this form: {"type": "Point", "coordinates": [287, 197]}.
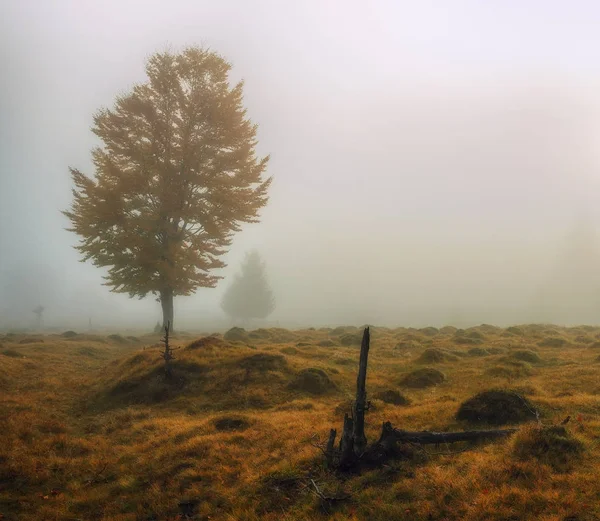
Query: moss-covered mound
{"type": "Point", "coordinates": [153, 386]}
{"type": "Point", "coordinates": [236, 334]}
{"type": "Point", "coordinates": [462, 339]}
{"type": "Point", "coordinates": [344, 361]}
{"type": "Point", "coordinates": [117, 339]}
{"type": "Point", "coordinates": [554, 446]}
{"type": "Point", "coordinates": [351, 339]}
{"type": "Point", "coordinates": [514, 330]}
{"type": "Point", "coordinates": [206, 342]}
{"type": "Point", "coordinates": [474, 334]}
{"type": "Point", "coordinates": [89, 351]}
{"type": "Point", "coordinates": [435, 356]}
{"type": "Point", "coordinates": [584, 339]}
{"type": "Point", "coordinates": [496, 407]}
{"type": "Point", "coordinates": [260, 333]}
{"type": "Point", "coordinates": [392, 397]}
{"type": "Point", "coordinates": [553, 342]}
{"type": "Point", "coordinates": [429, 331]}
{"type": "Point", "coordinates": [478, 351]}
{"type": "Point", "coordinates": [31, 341]}
{"type": "Point", "coordinates": [448, 330]}
{"type": "Point", "coordinates": [422, 378]}
{"type": "Point", "coordinates": [326, 343]}
{"type": "Point", "coordinates": [525, 355]}
{"type": "Point", "coordinates": [231, 423]}
{"type": "Point", "coordinates": [313, 381]}
{"type": "Point", "coordinates": [407, 345]}
{"type": "Point", "coordinates": [11, 353]}
{"type": "Point", "coordinates": [279, 335]}
{"type": "Point", "coordinates": [340, 330]}
{"type": "Point", "coordinates": [263, 362]}
{"type": "Point", "coordinates": [511, 369]}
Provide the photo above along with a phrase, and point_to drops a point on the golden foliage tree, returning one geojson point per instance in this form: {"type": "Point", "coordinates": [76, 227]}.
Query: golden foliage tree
{"type": "Point", "coordinates": [176, 175]}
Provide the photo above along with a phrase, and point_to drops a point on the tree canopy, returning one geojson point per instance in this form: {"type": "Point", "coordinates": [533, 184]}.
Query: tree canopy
{"type": "Point", "coordinates": [249, 295]}
{"type": "Point", "coordinates": [176, 175]}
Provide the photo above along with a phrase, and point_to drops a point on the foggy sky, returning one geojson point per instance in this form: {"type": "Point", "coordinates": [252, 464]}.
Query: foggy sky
{"type": "Point", "coordinates": [434, 162]}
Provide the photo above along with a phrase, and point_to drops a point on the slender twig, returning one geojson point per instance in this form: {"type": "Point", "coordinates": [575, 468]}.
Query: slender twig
{"type": "Point", "coordinates": [94, 478]}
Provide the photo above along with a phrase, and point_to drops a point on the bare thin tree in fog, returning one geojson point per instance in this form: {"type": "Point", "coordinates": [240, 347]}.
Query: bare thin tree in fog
{"type": "Point", "coordinates": [175, 177]}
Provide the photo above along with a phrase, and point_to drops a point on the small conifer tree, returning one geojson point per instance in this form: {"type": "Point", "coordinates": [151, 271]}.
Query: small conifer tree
{"type": "Point", "coordinates": [249, 295]}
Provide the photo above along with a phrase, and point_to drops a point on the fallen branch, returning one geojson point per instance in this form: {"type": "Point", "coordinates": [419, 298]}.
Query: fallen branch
{"type": "Point", "coordinates": [353, 449]}
{"type": "Point", "coordinates": [327, 500]}
{"type": "Point", "coordinates": [388, 433]}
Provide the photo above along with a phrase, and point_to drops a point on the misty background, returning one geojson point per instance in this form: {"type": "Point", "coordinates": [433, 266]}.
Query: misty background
{"type": "Point", "coordinates": [434, 162]}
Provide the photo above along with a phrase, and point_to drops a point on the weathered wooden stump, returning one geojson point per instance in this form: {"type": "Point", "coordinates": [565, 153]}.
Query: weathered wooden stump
{"type": "Point", "coordinates": [353, 449]}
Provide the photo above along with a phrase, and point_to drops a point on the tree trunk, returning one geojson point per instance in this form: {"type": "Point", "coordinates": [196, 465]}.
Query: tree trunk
{"type": "Point", "coordinates": [166, 302]}
{"type": "Point", "coordinates": [360, 404]}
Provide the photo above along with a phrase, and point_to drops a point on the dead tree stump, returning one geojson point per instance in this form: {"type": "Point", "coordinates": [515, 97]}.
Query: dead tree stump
{"type": "Point", "coordinates": [353, 449]}
{"type": "Point", "coordinates": [360, 404]}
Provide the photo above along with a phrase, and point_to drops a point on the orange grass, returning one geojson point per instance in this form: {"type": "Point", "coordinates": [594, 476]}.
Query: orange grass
{"type": "Point", "coordinates": [91, 431]}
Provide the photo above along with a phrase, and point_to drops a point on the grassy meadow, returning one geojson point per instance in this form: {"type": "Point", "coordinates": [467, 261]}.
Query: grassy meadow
{"type": "Point", "coordinates": [91, 430]}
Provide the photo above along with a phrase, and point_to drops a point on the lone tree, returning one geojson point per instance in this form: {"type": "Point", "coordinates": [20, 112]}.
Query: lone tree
{"type": "Point", "coordinates": [249, 296]}
{"type": "Point", "coordinates": [176, 175]}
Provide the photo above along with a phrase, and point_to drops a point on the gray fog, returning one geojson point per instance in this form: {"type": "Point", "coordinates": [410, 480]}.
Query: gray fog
{"type": "Point", "coordinates": [434, 162]}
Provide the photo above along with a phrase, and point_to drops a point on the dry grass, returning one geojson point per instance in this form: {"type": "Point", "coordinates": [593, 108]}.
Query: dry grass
{"type": "Point", "coordinates": [91, 430]}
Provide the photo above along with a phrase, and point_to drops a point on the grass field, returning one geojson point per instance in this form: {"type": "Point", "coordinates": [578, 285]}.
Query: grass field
{"type": "Point", "coordinates": [91, 430]}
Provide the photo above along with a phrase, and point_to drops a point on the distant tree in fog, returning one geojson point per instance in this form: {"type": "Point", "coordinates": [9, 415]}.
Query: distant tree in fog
{"type": "Point", "coordinates": [39, 314]}
{"type": "Point", "coordinates": [176, 175]}
{"type": "Point", "coordinates": [571, 292]}
{"type": "Point", "coordinates": [249, 295]}
{"type": "Point", "coordinates": [24, 287]}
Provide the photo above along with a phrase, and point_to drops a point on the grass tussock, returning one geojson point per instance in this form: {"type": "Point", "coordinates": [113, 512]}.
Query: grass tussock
{"type": "Point", "coordinates": [554, 446]}
{"type": "Point", "coordinates": [422, 378]}
{"type": "Point", "coordinates": [526, 355]}
{"type": "Point", "coordinates": [391, 397]}
{"type": "Point", "coordinates": [264, 362]}
{"type": "Point", "coordinates": [478, 351]}
{"type": "Point", "coordinates": [313, 381]}
{"type": "Point", "coordinates": [231, 423]}
{"type": "Point", "coordinates": [207, 343]}
{"type": "Point", "coordinates": [351, 339]}
{"type": "Point", "coordinates": [497, 407]}
{"type": "Point", "coordinates": [436, 356]}
{"type": "Point", "coordinates": [236, 334]}
{"type": "Point", "coordinates": [553, 342]}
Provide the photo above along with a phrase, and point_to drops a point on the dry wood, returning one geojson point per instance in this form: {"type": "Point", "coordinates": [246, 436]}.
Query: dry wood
{"type": "Point", "coordinates": [389, 435]}
{"type": "Point", "coordinates": [353, 443]}
{"type": "Point", "coordinates": [360, 404]}
{"type": "Point", "coordinates": [330, 450]}
{"type": "Point", "coordinates": [347, 443]}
